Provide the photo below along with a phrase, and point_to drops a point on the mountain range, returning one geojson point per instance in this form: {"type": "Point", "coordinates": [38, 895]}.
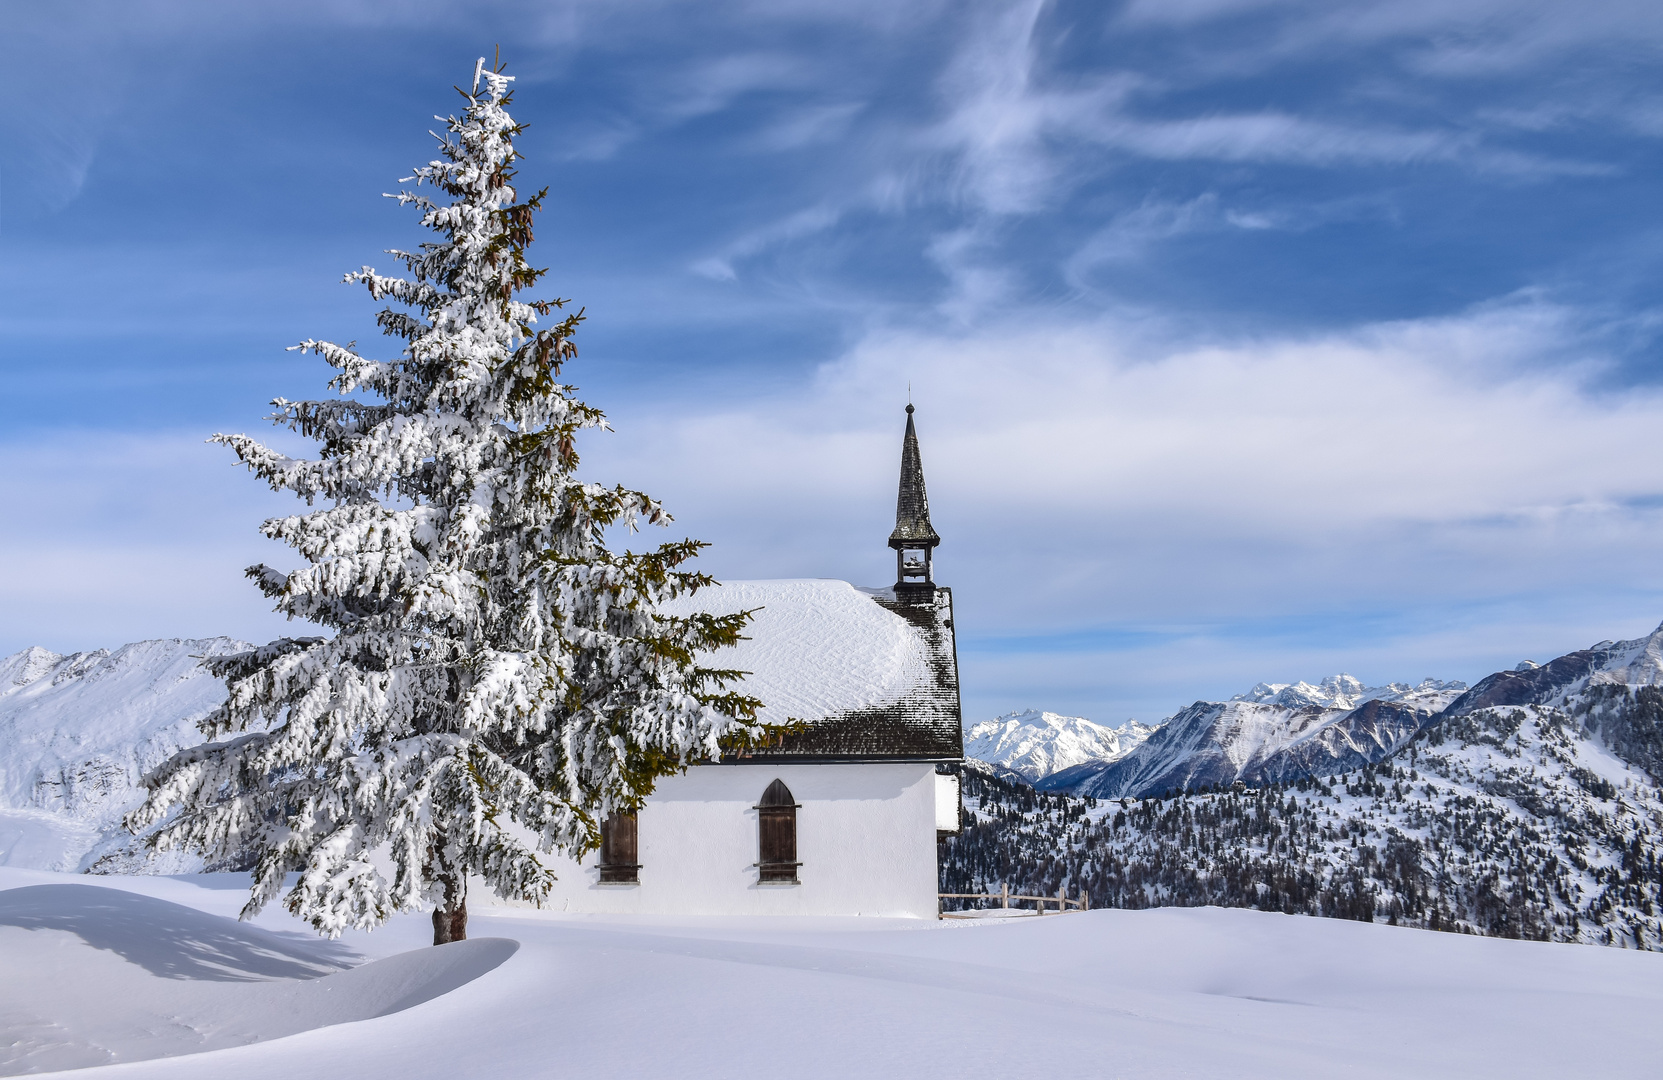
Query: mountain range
{"type": "Point", "coordinates": [1527, 806]}
{"type": "Point", "coordinates": [1032, 745]}
{"type": "Point", "coordinates": [1291, 734]}
{"type": "Point", "coordinates": [1283, 731]}
{"type": "Point", "coordinates": [1272, 731]}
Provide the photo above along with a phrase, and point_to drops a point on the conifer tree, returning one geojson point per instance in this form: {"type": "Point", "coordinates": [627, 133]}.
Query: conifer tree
{"type": "Point", "coordinates": [497, 682]}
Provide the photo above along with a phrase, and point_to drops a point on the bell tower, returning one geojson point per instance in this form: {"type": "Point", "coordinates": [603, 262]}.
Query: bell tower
{"type": "Point", "coordinates": [914, 539]}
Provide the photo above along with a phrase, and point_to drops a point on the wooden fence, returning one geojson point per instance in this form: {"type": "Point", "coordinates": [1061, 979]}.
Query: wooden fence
{"type": "Point", "coordinates": [1005, 896]}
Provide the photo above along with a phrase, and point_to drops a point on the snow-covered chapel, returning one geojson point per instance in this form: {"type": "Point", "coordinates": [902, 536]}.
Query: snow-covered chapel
{"type": "Point", "coordinates": [841, 818]}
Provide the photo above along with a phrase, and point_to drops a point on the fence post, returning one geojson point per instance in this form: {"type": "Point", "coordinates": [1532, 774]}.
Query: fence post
{"type": "Point", "coordinates": [1085, 900]}
{"type": "Point", "coordinates": [1062, 900]}
{"type": "Point", "coordinates": [1005, 894]}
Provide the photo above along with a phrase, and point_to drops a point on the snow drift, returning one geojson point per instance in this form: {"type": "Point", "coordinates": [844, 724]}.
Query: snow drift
{"type": "Point", "coordinates": [94, 976]}
{"type": "Point", "coordinates": [1153, 994]}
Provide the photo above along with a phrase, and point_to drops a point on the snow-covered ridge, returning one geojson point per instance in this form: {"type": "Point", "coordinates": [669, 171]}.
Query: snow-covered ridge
{"type": "Point", "coordinates": [79, 731]}
{"type": "Point", "coordinates": [1034, 744]}
{"type": "Point", "coordinates": [1282, 731]}
{"type": "Point", "coordinates": [1344, 691]}
{"type": "Point", "coordinates": [1275, 730]}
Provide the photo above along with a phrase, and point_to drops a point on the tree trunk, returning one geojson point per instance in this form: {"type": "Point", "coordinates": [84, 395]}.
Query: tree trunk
{"type": "Point", "coordinates": [450, 914]}
{"type": "Point", "coordinates": [450, 922]}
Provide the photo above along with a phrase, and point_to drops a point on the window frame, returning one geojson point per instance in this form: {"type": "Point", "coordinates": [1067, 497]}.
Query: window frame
{"type": "Point", "coordinates": [614, 870]}
{"type": "Point", "coordinates": [776, 814]}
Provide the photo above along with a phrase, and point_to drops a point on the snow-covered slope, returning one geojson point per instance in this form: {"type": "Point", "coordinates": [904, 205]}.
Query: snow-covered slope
{"type": "Point", "coordinates": [78, 732]}
{"type": "Point", "coordinates": [99, 974]}
{"type": "Point", "coordinates": [1593, 671]}
{"type": "Point", "coordinates": [1035, 744]}
{"type": "Point", "coordinates": [1158, 995]}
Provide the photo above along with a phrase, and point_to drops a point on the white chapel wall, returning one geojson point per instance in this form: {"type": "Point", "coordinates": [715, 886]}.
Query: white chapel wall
{"type": "Point", "coordinates": [865, 838]}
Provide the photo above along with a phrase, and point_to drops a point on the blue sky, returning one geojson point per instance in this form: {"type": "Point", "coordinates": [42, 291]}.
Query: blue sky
{"type": "Point", "coordinates": [1250, 339]}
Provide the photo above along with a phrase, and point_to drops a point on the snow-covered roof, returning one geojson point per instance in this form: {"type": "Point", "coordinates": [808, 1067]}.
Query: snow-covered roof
{"type": "Point", "coordinates": [874, 677]}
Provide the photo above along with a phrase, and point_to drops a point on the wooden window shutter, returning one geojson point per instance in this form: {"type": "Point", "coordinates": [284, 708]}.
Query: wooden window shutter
{"type": "Point", "coordinates": [619, 865]}
{"type": "Point", "coordinates": [777, 835]}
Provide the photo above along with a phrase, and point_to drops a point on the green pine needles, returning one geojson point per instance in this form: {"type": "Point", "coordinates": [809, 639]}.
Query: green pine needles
{"type": "Point", "coordinates": [498, 681]}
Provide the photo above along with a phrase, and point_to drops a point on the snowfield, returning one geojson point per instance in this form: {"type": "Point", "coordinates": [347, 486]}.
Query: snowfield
{"type": "Point", "coordinates": [122, 969]}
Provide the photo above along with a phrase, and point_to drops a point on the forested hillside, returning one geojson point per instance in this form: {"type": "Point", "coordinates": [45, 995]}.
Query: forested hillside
{"type": "Point", "coordinates": [1514, 821]}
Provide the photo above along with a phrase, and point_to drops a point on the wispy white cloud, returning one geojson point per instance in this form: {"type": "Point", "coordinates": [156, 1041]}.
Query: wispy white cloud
{"type": "Point", "coordinates": [712, 85]}
{"type": "Point", "coordinates": [1276, 137]}
{"type": "Point", "coordinates": [808, 125]}
{"type": "Point", "coordinates": [1442, 38]}
{"type": "Point", "coordinates": [806, 222]}
{"type": "Point", "coordinates": [1130, 235]}
{"type": "Point", "coordinates": [1001, 116]}
{"type": "Point", "coordinates": [1018, 130]}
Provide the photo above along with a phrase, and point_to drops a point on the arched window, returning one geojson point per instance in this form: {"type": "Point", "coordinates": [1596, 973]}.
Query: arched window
{"type": "Point", "coordinates": [777, 835]}
{"type": "Point", "coordinates": [618, 851]}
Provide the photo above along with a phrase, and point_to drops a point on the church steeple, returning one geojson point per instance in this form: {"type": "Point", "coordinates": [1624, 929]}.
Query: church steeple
{"type": "Point", "coordinates": [914, 538]}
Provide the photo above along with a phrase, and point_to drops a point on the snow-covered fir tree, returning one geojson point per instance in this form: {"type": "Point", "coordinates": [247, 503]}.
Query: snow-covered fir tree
{"type": "Point", "coordinates": [498, 681]}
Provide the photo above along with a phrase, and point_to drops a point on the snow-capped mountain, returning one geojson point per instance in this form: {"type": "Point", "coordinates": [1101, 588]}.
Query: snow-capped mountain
{"type": "Point", "coordinates": [1034, 744]}
{"type": "Point", "coordinates": [1274, 731]}
{"type": "Point", "coordinates": [1344, 691]}
{"type": "Point", "coordinates": [1634, 664]}
{"type": "Point", "coordinates": [1280, 731]}
{"type": "Point", "coordinates": [77, 734]}
{"type": "Point", "coordinates": [1221, 742]}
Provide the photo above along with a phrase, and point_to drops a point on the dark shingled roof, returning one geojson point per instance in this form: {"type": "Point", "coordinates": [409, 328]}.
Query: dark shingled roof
{"type": "Point", "coordinates": [924, 725]}
{"type": "Point", "coordinates": [912, 505]}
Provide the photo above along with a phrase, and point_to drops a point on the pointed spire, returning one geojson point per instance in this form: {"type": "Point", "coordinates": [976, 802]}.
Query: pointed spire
{"type": "Point", "coordinates": [912, 505]}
